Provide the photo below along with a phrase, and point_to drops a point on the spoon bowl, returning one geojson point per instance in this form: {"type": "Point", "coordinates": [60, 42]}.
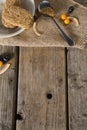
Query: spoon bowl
{"type": "Point", "coordinates": [43, 4]}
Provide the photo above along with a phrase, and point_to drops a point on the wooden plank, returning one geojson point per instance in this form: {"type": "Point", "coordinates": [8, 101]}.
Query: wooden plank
{"type": "Point", "coordinates": [77, 74]}
{"type": "Point", "coordinates": [83, 2]}
{"type": "Point", "coordinates": [79, 1]}
{"type": "Point", "coordinates": [41, 92]}
{"type": "Point", "coordinates": [8, 91]}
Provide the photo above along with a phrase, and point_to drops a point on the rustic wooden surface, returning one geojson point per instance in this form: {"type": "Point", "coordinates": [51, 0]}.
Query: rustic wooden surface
{"type": "Point", "coordinates": [49, 90]}
{"type": "Point", "coordinates": [47, 99]}
{"type": "Point", "coordinates": [8, 82]}
{"type": "Point", "coordinates": [83, 2]}
{"type": "Point", "coordinates": [77, 89]}
{"type": "Point", "coordinates": [43, 74]}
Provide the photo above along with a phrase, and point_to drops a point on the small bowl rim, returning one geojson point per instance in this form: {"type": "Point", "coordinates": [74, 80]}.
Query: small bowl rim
{"type": "Point", "coordinates": [20, 30]}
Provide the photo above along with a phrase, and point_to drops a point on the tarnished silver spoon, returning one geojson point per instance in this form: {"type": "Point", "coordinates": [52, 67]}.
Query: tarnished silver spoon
{"type": "Point", "coordinates": [45, 4]}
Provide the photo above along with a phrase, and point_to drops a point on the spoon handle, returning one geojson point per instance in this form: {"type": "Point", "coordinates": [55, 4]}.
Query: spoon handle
{"type": "Point", "coordinates": [66, 37]}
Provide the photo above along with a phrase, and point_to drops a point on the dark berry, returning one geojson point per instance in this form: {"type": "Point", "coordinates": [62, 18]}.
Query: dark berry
{"type": "Point", "coordinates": [6, 59]}
{"type": "Point", "coordinates": [71, 9]}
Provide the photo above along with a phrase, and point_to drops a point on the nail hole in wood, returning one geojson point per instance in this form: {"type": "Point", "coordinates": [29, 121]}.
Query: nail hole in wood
{"type": "Point", "coordinates": [19, 117]}
{"type": "Point", "coordinates": [49, 96]}
{"type": "Point", "coordinates": [11, 80]}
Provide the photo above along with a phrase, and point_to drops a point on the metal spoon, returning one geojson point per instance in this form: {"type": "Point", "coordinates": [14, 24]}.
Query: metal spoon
{"type": "Point", "coordinates": [45, 4]}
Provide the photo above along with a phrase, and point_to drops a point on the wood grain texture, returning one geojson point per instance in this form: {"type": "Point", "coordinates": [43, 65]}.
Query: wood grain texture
{"type": "Point", "coordinates": [42, 72]}
{"type": "Point", "coordinates": [83, 2]}
{"type": "Point", "coordinates": [77, 85]}
{"type": "Point", "coordinates": [8, 82]}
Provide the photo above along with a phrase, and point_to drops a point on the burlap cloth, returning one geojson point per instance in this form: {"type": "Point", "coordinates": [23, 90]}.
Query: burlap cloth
{"type": "Point", "coordinates": [78, 34]}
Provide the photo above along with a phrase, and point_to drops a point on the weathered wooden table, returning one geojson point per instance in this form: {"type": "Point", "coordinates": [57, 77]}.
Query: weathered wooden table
{"type": "Point", "coordinates": [44, 89]}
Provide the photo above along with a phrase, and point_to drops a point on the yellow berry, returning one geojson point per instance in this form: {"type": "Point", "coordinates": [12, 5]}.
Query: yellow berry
{"type": "Point", "coordinates": [67, 21]}
{"type": "Point", "coordinates": [63, 16]}
{"type": "Point", "coordinates": [1, 63]}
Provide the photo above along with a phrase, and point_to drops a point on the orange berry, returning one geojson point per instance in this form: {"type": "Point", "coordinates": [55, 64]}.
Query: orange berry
{"type": "Point", "coordinates": [1, 63]}
{"type": "Point", "coordinates": [63, 16]}
{"type": "Point", "coordinates": [67, 21]}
